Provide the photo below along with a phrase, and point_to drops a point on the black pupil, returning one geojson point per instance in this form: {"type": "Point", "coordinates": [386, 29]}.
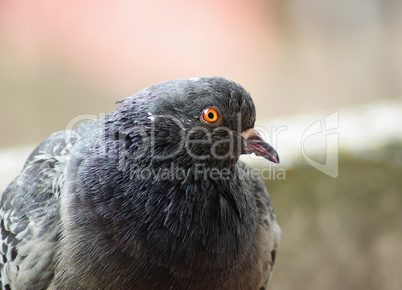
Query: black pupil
{"type": "Point", "coordinates": [211, 115]}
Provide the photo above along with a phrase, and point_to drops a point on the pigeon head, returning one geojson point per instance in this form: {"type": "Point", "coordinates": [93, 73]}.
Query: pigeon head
{"type": "Point", "coordinates": [200, 120]}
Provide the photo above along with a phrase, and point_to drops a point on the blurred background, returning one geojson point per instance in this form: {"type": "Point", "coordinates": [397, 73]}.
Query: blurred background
{"type": "Point", "coordinates": [301, 60]}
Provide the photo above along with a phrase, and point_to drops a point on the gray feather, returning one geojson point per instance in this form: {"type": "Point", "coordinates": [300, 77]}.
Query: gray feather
{"type": "Point", "coordinates": [30, 215]}
{"type": "Point", "coordinates": [79, 217]}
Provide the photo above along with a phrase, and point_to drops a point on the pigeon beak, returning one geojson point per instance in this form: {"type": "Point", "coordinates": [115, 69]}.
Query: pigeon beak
{"type": "Point", "coordinates": [253, 143]}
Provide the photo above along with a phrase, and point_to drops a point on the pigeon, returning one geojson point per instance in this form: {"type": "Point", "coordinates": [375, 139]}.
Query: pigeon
{"type": "Point", "coordinates": [150, 196]}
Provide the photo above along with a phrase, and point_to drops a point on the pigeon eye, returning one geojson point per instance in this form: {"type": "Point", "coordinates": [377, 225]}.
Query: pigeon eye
{"type": "Point", "coordinates": [210, 115]}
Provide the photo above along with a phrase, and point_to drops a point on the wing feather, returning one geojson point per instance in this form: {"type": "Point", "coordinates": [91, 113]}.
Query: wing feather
{"type": "Point", "coordinates": [29, 216]}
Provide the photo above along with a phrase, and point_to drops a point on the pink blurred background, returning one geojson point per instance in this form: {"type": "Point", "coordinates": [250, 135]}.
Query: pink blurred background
{"type": "Point", "coordinates": [129, 44]}
{"type": "Point", "coordinates": [59, 59]}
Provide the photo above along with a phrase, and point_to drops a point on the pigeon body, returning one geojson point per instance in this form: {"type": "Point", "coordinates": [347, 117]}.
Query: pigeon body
{"type": "Point", "coordinates": [150, 196]}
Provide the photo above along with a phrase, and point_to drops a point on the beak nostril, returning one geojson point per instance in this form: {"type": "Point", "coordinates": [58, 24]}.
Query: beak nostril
{"type": "Point", "coordinates": [253, 143]}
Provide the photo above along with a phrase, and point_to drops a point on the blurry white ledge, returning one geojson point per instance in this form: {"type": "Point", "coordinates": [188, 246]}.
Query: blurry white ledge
{"type": "Point", "coordinates": [11, 162]}
{"type": "Point", "coordinates": [316, 136]}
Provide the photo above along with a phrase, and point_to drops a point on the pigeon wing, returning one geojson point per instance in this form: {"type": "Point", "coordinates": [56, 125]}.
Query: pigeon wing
{"type": "Point", "coordinates": [30, 217]}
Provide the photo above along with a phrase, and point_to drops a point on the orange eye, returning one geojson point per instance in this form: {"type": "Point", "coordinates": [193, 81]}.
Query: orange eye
{"type": "Point", "coordinates": [210, 115]}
